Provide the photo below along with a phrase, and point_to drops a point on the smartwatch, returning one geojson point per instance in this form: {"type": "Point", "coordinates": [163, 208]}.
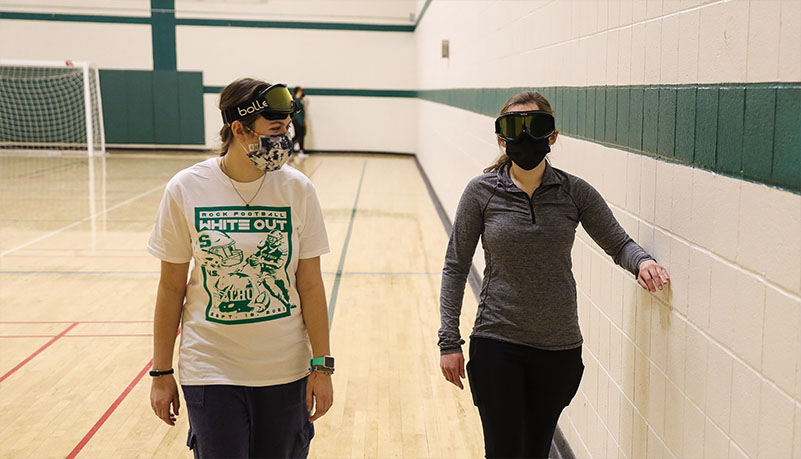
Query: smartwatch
{"type": "Point", "coordinates": [324, 364]}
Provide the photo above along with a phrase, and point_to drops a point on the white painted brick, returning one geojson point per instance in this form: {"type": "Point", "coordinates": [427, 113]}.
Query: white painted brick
{"type": "Point", "coordinates": [716, 443]}
{"type": "Point", "coordinates": [639, 440]}
{"type": "Point", "coordinates": [663, 200]}
{"type": "Point", "coordinates": [653, 8]}
{"type": "Point", "coordinates": [594, 318]}
{"type": "Point", "coordinates": [689, 29]}
{"type": "Point", "coordinates": [678, 271]}
{"type": "Point", "coordinates": [626, 11]}
{"type": "Point", "coordinates": [748, 318]}
{"type": "Point", "coordinates": [595, 281]}
{"type": "Point", "coordinates": [718, 386]}
{"type": "Point", "coordinates": [597, 61]}
{"type": "Point", "coordinates": [656, 449]}
{"type": "Point", "coordinates": [624, 57]}
{"type": "Point", "coordinates": [695, 367]}
{"type": "Point", "coordinates": [612, 55]}
{"type": "Point", "coordinates": [735, 452]}
{"type": "Point", "coordinates": [614, 13]}
{"type": "Point", "coordinates": [656, 400]}
{"type": "Point", "coordinates": [790, 41]}
{"type": "Point", "coordinates": [603, 16]}
{"type": "Point", "coordinates": [603, 395]}
{"type": "Point", "coordinates": [613, 418]}
{"type": "Point", "coordinates": [694, 422]}
{"type": "Point", "coordinates": [615, 355]}
{"type": "Point", "coordinates": [674, 419]}
{"type": "Point", "coordinates": [647, 188]}
{"type": "Point", "coordinates": [633, 173]}
{"type": "Point", "coordinates": [676, 356]}
{"type": "Point", "coordinates": [642, 333]}
{"type": "Point", "coordinates": [638, 10]}
{"type": "Point", "coordinates": [670, 51]}
{"type": "Point", "coordinates": [642, 370]}
{"type": "Point", "coordinates": [660, 324]}
{"type": "Point", "coordinates": [630, 297]}
{"type": "Point", "coordinates": [638, 51]}
{"type": "Point", "coordinates": [763, 40]}
{"type": "Point", "coordinates": [603, 350]}
{"type": "Point", "coordinates": [702, 228]}
{"type": "Point", "coordinates": [626, 426]}
{"type": "Point", "coordinates": [797, 433]}
{"type": "Point", "coordinates": [681, 209]}
{"type": "Point", "coordinates": [745, 393]}
{"type": "Point", "coordinates": [671, 6]}
{"type": "Point", "coordinates": [723, 43]}
{"type": "Point", "coordinates": [724, 296]}
{"type": "Point", "coordinates": [661, 248]}
{"type": "Point", "coordinates": [617, 162]}
{"type": "Point", "coordinates": [781, 346]}
{"type": "Point", "coordinates": [653, 41]}
{"type": "Point", "coordinates": [589, 381]}
{"type": "Point", "coordinates": [775, 423]}
{"type": "Point", "coordinates": [645, 236]}
{"type": "Point", "coordinates": [615, 305]}
{"type": "Point", "coordinates": [699, 293]}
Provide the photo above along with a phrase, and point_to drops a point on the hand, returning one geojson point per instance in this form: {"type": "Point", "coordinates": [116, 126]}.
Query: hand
{"type": "Point", "coordinates": [320, 390]}
{"type": "Point", "coordinates": [652, 276]}
{"type": "Point", "coordinates": [163, 392]}
{"type": "Point", "coordinates": [452, 366]}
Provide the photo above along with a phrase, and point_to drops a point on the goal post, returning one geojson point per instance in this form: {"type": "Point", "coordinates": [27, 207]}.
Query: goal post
{"type": "Point", "coordinates": [49, 108]}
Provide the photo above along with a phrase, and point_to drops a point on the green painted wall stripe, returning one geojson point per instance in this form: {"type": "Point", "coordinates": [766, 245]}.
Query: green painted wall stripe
{"type": "Point", "coordinates": [340, 92]}
{"type": "Point", "coordinates": [158, 11]}
{"type": "Point", "coordinates": [422, 13]}
{"type": "Point", "coordinates": [295, 25]}
{"type": "Point", "coordinates": [750, 131]}
{"type": "Point", "coordinates": [75, 18]}
{"type": "Point", "coordinates": [163, 30]}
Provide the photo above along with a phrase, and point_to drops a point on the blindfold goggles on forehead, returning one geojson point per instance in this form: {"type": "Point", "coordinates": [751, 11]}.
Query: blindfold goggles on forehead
{"type": "Point", "coordinates": [538, 124]}
{"type": "Point", "coordinates": [274, 103]}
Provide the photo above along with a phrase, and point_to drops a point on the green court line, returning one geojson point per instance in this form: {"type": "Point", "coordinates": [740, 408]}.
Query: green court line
{"type": "Point", "coordinates": [332, 303]}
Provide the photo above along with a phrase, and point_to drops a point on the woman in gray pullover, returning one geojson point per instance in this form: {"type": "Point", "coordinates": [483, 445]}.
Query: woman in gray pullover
{"type": "Point", "coordinates": [525, 350]}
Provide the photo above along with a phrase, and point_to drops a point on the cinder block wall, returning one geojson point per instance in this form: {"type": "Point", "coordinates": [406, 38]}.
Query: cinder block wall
{"type": "Point", "coordinates": [712, 366]}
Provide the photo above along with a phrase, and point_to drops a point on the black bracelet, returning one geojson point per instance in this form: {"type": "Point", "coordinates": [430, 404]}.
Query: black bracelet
{"type": "Point", "coordinates": [157, 373]}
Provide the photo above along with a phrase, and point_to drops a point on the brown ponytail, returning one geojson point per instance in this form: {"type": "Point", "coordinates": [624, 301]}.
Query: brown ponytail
{"type": "Point", "coordinates": [235, 93]}
{"type": "Point", "coordinates": [523, 98]}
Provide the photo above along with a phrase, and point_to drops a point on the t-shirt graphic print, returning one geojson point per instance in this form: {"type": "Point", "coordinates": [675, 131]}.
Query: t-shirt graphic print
{"type": "Point", "coordinates": [245, 287]}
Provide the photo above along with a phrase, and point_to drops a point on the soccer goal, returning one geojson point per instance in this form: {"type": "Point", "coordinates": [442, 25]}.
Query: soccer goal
{"type": "Point", "coordinates": [50, 108]}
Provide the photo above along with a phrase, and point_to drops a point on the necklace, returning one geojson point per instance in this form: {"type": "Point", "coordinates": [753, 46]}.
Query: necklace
{"type": "Point", "coordinates": [247, 203]}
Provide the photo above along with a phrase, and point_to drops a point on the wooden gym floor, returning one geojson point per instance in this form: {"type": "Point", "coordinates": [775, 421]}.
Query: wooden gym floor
{"type": "Point", "coordinates": [77, 289]}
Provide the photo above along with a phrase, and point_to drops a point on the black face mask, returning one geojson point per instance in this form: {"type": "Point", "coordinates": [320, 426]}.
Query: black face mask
{"type": "Point", "coordinates": [527, 152]}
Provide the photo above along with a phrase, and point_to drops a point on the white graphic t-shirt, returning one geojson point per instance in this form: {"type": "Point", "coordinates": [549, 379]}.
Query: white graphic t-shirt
{"type": "Point", "coordinates": [242, 323]}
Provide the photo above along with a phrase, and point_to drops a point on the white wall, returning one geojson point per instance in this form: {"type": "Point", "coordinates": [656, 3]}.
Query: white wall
{"type": "Point", "coordinates": [711, 367]}
{"type": "Point", "coordinates": [316, 59]}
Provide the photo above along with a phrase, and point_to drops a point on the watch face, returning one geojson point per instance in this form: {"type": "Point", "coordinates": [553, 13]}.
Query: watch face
{"type": "Point", "coordinates": [329, 362]}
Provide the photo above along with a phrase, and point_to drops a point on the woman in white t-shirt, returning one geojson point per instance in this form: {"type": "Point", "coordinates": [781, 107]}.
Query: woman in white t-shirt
{"type": "Point", "coordinates": [254, 353]}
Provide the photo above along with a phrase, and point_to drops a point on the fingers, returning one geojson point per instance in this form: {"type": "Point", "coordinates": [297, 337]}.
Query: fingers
{"type": "Point", "coordinates": [309, 398]}
{"type": "Point", "coordinates": [176, 403]}
{"type": "Point", "coordinates": [162, 411]}
{"type": "Point", "coordinates": [452, 367]}
{"type": "Point", "coordinates": [653, 277]}
{"type": "Point", "coordinates": [322, 407]}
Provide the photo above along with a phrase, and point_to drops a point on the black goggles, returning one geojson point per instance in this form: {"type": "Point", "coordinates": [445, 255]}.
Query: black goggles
{"type": "Point", "coordinates": [538, 124]}
{"type": "Point", "coordinates": [274, 103]}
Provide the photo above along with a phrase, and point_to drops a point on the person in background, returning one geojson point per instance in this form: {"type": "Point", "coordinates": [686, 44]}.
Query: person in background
{"type": "Point", "coordinates": [254, 357]}
{"type": "Point", "coordinates": [525, 350]}
{"type": "Point", "coordinates": [299, 120]}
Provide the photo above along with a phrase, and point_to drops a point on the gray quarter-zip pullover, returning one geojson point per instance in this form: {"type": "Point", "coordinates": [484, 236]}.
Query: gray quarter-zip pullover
{"type": "Point", "coordinates": [528, 295]}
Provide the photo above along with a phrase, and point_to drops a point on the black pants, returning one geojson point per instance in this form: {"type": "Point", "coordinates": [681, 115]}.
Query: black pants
{"type": "Point", "coordinates": [248, 422]}
{"type": "Point", "coordinates": [520, 392]}
{"type": "Point", "coordinates": [300, 133]}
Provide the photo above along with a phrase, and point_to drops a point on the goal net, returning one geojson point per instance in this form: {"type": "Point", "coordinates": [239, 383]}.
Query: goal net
{"type": "Point", "coordinates": [50, 108]}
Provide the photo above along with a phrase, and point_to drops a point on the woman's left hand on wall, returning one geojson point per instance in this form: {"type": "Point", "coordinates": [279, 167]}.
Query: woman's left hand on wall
{"type": "Point", "coordinates": [319, 394]}
{"type": "Point", "coordinates": [652, 276]}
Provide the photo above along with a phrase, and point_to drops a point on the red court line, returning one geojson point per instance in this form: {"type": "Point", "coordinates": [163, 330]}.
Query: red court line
{"type": "Point", "coordinates": [55, 338]}
{"type": "Point", "coordinates": [77, 322]}
{"type": "Point", "coordinates": [108, 412]}
{"type": "Point", "coordinates": [78, 336]}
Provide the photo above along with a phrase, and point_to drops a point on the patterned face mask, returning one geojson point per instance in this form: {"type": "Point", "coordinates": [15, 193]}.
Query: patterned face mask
{"type": "Point", "coordinates": [271, 152]}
